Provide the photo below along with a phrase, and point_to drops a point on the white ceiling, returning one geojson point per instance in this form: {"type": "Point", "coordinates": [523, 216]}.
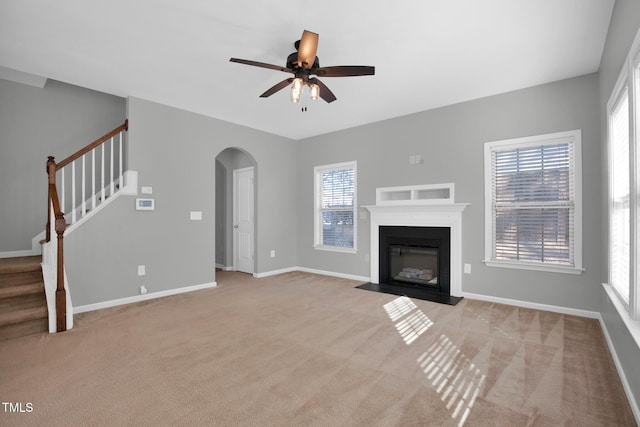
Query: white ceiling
{"type": "Point", "coordinates": [427, 53]}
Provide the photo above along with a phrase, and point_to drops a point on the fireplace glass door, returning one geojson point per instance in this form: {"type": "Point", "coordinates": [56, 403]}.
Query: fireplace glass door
{"type": "Point", "coordinates": [413, 265]}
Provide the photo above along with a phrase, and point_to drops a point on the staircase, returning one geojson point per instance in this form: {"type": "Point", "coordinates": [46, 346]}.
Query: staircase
{"type": "Point", "coordinates": [23, 305]}
{"type": "Point", "coordinates": [78, 187]}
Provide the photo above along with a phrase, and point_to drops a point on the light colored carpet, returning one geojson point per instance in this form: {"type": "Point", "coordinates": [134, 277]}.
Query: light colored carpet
{"type": "Point", "coordinates": [307, 350]}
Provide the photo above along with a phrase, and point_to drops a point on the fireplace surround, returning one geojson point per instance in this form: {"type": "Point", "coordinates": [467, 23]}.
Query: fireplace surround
{"type": "Point", "coordinates": [412, 211]}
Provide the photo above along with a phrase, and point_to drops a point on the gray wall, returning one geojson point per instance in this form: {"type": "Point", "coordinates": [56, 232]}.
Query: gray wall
{"type": "Point", "coordinates": [625, 23]}
{"type": "Point", "coordinates": [174, 152]}
{"type": "Point", "coordinates": [451, 141]}
{"type": "Point", "coordinates": [35, 123]}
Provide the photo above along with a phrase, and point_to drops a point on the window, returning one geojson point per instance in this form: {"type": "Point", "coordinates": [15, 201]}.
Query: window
{"type": "Point", "coordinates": [532, 203]}
{"type": "Point", "coordinates": [619, 194]}
{"type": "Point", "coordinates": [335, 207]}
{"type": "Point", "coordinates": [623, 132]}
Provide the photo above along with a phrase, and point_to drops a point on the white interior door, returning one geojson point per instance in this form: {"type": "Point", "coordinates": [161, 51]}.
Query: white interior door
{"type": "Point", "coordinates": [243, 221]}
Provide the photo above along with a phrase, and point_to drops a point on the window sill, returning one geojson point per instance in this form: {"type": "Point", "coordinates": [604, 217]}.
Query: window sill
{"type": "Point", "coordinates": [335, 249]}
{"type": "Point", "coordinates": [535, 266]}
{"type": "Point", "coordinates": [632, 325]}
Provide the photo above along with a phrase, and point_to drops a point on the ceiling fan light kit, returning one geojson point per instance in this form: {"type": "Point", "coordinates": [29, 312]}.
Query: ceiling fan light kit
{"type": "Point", "coordinates": [304, 64]}
{"type": "Point", "coordinates": [296, 89]}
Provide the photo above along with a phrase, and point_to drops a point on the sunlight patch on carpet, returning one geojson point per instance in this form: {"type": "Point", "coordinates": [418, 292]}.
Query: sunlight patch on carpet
{"type": "Point", "coordinates": [399, 307]}
{"type": "Point", "coordinates": [412, 326]}
{"type": "Point", "coordinates": [455, 378]}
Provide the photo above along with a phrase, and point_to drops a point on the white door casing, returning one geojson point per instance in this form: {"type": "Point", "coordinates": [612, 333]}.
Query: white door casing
{"type": "Point", "coordinates": [243, 220]}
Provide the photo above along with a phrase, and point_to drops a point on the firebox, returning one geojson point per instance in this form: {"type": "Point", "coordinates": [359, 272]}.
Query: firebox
{"type": "Point", "coordinates": [414, 265]}
{"type": "Point", "coordinates": [416, 260]}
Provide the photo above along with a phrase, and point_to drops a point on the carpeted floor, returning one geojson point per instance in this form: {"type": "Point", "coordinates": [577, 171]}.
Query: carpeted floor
{"type": "Point", "coordinates": [307, 350]}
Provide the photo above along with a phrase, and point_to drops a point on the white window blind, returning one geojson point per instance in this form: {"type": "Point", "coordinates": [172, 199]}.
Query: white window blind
{"type": "Point", "coordinates": [532, 202]}
{"type": "Point", "coordinates": [619, 222]}
{"type": "Point", "coordinates": [335, 206]}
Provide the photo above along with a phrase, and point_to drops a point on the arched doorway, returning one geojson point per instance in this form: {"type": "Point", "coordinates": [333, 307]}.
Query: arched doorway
{"type": "Point", "coordinates": [236, 190]}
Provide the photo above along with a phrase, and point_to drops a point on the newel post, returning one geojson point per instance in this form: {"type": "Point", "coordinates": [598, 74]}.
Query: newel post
{"type": "Point", "coordinates": [51, 172]}
{"type": "Point", "coordinates": [61, 294]}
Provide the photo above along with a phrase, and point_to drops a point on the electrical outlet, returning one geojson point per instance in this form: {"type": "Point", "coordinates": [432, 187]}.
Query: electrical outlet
{"type": "Point", "coordinates": [143, 290]}
{"type": "Point", "coordinates": [273, 253]}
{"type": "Point", "coordinates": [141, 270]}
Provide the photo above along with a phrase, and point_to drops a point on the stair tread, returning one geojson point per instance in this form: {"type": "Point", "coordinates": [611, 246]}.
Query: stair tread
{"type": "Point", "coordinates": [23, 329]}
{"type": "Point", "coordinates": [14, 291]}
{"type": "Point", "coordinates": [19, 279]}
{"type": "Point", "coordinates": [23, 315]}
{"type": "Point", "coordinates": [20, 264]}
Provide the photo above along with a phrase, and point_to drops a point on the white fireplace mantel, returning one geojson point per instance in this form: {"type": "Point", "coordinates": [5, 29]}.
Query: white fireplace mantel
{"type": "Point", "coordinates": [446, 214]}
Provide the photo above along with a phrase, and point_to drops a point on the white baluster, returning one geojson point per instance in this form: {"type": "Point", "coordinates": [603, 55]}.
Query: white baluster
{"type": "Point", "coordinates": [84, 189]}
{"type": "Point", "coordinates": [113, 185]}
{"type": "Point", "coordinates": [73, 192]}
{"type": "Point", "coordinates": [93, 179]}
{"type": "Point", "coordinates": [120, 161]}
{"type": "Point", "coordinates": [102, 193]}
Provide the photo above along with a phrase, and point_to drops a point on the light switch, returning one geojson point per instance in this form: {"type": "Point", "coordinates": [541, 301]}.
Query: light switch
{"type": "Point", "coordinates": [146, 190]}
{"type": "Point", "coordinates": [467, 268]}
{"type": "Point", "coordinates": [196, 215]}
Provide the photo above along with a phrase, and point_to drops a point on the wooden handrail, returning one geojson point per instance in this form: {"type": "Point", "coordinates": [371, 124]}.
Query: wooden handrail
{"type": "Point", "coordinates": [60, 225]}
{"type": "Point", "coordinates": [94, 144]}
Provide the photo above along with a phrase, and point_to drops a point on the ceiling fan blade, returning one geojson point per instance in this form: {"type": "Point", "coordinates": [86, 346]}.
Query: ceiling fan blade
{"type": "Point", "coordinates": [307, 49]}
{"type": "Point", "coordinates": [277, 87]}
{"type": "Point", "coordinates": [261, 64]}
{"type": "Point", "coordinates": [325, 93]}
{"type": "Point", "coordinates": [345, 71]}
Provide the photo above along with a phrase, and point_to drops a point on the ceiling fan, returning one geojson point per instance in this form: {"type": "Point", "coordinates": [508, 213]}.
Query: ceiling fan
{"type": "Point", "coordinates": [304, 65]}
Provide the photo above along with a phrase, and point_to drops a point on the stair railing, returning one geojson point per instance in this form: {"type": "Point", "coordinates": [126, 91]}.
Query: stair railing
{"type": "Point", "coordinates": [108, 156]}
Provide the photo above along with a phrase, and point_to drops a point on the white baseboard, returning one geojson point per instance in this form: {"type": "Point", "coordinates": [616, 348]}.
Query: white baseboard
{"type": "Point", "coordinates": [623, 378]}
{"type": "Point", "coordinates": [145, 297]}
{"type": "Point", "coordinates": [275, 272]}
{"type": "Point", "coordinates": [312, 271]}
{"type": "Point", "coordinates": [534, 305]}
{"type": "Point", "coordinates": [36, 246]}
{"type": "Point", "coordinates": [334, 274]}
{"type": "Point", "coordinates": [13, 254]}
{"type": "Point", "coordinates": [224, 267]}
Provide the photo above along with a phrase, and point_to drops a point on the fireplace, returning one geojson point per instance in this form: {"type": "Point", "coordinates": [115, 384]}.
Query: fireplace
{"type": "Point", "coordinates": [415, 257]}
{"type": "Point", "coordinates": [416, 233]}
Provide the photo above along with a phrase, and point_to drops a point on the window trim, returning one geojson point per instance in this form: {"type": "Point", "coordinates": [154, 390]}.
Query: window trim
{"type": "Point", "coordinates": [628, 78]}
{"type": "Point", "coordinates": [623, 84]}
{"type": "Point", "coordinates": [634, 137]}
{"type": "Point", "coordinates": [573, 137]}
{"type": "Point", "coordinates": [317, 231]}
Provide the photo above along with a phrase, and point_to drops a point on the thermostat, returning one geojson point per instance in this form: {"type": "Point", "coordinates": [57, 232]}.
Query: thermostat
{"type": "Point", "coordinates": [145, 204]}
